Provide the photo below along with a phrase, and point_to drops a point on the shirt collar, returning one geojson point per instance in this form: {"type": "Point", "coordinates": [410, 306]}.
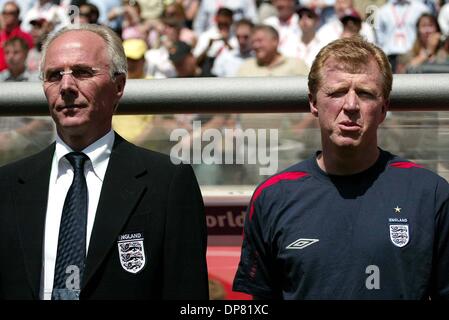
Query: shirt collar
{"type": "Point", "coordinates": [98, 153]}
{"type": "Point", "coordinates": [288, 21]}
{"type": "Point", "coordinates": [24, 76]}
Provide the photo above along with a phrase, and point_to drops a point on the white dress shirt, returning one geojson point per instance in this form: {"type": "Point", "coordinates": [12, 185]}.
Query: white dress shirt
{"type": "Point", "coordinates": [289, 33]}
{"type": "Point", "coordinates": [308, 52]}
{"type": "Point", "coordinates": [218, 47]}
{"type": "Point", "coordinates": [228, 63]}
{"type": "Point", "coordinates": [50, 12]}
{"type": "Point", "coordinates": [333, 29]}
{"type": "Point", "coordinates": [61, 178]}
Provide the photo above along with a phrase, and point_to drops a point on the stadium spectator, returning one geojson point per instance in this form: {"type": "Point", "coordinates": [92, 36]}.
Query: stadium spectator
{"type": "Point", "coordinates": [396, 27]}
{"type": "Point", "coordinates": [217, 40]}
{"type": "Point", "coordinates": [333, 29]}
{"type": "Point", "coordinates": [286, 23]}
{"type": "Point", "coordinates": [309, 44]}
{"type": "Point", "coordinates": [132, 21]}
{"type": "Point", "coordinates": [329, 227]}
{"type": "Point", "coordinates": [176, 11]}
{"type": "Point", "coordinates": [268, 61]}
{"type": "Point", "coordinates": [10, 28]}
{"type": "Point", "coordinates": [426, 46]}
{"type": "Point", "coordinates": [24, 6]}
{"type": "Point", "coordinates": [89, 13]}
{"type": "Point", "coordinates": [159, 66]}
{"type": "Point", "coordinates": [16, 52]}
{"type": "Point", "coordinates": [128, 16]}
{"type": "Point", "coordinates": [324, 8]}
{"type": "Point", "coordinates": [205, 17]}
{"type": "Point", "coordinates": [228, 63]}
{"type": "Point", "coordinates": [49, 11]}
{"type": "Point", "coordinates": [352, 23]}
{"type": "Point", "coordinates": [180, 54]}
{"type": "Point", "coordinates": [104, 8]}
{"type": "Point", "coordinates": [173, 12]}
{"type": "Point", "coordinates": [40, 28]}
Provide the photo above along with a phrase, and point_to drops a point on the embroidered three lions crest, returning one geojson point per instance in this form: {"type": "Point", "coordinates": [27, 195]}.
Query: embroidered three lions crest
{"type": "Point", "coordinates": [131, 252]}
{"type": "Point", "coordinates": [399, 234]}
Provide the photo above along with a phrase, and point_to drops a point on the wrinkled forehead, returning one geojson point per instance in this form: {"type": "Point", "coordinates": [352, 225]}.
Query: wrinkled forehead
{"type": "Point", "coordinates": [368, 65]}
{"type": "Point", "coordinates": [340, 72]}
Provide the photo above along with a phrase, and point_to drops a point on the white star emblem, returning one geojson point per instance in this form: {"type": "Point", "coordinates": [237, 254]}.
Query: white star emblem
{"type": "Point", "coordinates": [397, 209]}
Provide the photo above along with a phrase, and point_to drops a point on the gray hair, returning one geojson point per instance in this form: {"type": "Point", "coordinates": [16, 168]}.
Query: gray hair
{"type": "Point", "coordinates": [114, 46]}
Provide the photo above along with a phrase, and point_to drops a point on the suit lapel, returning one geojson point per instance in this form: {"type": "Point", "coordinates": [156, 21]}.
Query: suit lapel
{"type": "Point", "coordinates": [120, 194]}
{"type": "Point", "coordinates": [30, 201]}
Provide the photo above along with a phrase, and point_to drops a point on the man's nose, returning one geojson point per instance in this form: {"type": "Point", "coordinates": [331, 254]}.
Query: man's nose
{"type": "Point", "coordinates": [351, 102]}
{"type": "Point", "coordinates": [68, 87]}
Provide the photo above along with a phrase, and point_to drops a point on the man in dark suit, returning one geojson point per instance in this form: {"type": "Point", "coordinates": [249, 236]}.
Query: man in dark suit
{"type": "Point", "coordinates": [93, 216]}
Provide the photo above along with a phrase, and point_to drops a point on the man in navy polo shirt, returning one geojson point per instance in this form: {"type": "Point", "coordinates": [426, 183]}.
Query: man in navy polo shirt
{"type": "Point", "coordinates": [353, 221]}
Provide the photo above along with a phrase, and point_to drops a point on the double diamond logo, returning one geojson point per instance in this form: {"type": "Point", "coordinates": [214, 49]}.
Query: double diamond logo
{"type": "Point", "coordinates": [301, 243]}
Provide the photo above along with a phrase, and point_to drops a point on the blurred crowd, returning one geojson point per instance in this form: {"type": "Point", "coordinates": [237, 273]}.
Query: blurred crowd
{"type": "Point", "coordinates": [224, 38]}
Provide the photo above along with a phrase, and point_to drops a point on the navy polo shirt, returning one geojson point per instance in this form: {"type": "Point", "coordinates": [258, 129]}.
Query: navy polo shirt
{"type": "Point", "coordinates": [379, 234]}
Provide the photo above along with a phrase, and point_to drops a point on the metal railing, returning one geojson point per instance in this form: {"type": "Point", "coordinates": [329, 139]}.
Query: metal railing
{"type": "Point", "coordinates": [417, 92]}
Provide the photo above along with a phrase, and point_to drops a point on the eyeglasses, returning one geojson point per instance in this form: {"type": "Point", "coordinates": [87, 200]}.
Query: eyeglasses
{"type": "Point", "coordinates": [79, 73]}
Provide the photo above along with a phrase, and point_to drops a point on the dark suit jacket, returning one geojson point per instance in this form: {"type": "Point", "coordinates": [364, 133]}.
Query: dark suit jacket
{"type": "Point", "coordinates": [142, 192]}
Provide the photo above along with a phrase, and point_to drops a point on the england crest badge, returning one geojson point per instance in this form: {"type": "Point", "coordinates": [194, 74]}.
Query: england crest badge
{"type": "Point", "coordinates": [131, 252]}
{"type": "Point", "coordinates": [399, 234]}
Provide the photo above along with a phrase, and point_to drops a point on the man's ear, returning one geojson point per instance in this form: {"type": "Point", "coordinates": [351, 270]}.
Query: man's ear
{"type": "Point", "coordinates": [120, 81]}
{"type": "Point", "coordinates": [313, 106]}
{"type": "Point", "coordinates": [385, 107]}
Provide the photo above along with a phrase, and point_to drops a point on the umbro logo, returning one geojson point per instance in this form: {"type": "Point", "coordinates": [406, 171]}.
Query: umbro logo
{"type": "Point", "coordinates": [301, 243]}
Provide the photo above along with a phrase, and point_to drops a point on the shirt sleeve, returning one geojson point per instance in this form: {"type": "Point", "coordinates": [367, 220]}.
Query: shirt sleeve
{"type": "Point", "coordinates": [441, 255]}
{"type": "Point", "coordinates": [201, 19]}
{"type": "Point", "coordinates": [254, 273]}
